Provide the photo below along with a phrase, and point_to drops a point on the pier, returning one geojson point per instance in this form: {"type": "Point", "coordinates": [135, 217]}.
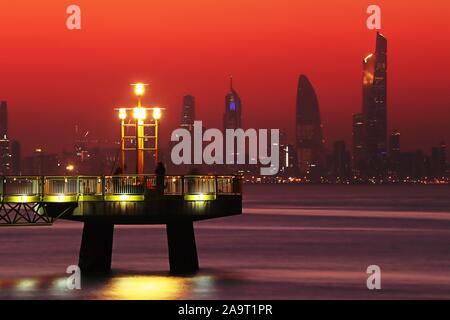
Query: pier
{"type": "Point", "coordinates": [101, 202]}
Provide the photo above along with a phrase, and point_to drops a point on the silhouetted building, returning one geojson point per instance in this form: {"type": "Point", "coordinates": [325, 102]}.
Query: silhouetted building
{"type": "Point", "coordinates": [3, 119]}
{"type": "Point", "coordinates": [309, 137]}
{"type": "Point", "coordinates": [412, 165]}
{"type": "Point", "coordinates": [439, 161]}
{"type": "Point", "coordinates": [394, 153]}
{"type": "Point", "coordinates": [188, 112]}
{"type": "Point", "coordinates": [41, 163]}
{"type": "Point", "coordinates": [5, 156]}
{"type": "Point", "coordinates": [375, 108]}
{"type": "Point", "coordinates": [340, 166]}
{"type": "Point", "coordinates": [233, 109]}
{"type": "Point", "coordinates": [358, 143]}
{"type": "Point", "coordinates": [287, 163]}
{"type": "Point", "coordinates": [16, 158]}
{"type": "Point", "coordinates": [232, 120]}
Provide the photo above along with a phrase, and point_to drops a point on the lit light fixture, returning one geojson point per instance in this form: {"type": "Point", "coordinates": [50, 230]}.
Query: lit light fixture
{"type": "Point", "coordinates": [199, 197]}
{"type": "Point", "coordinates": [156, 113]}
{"type": "Point", "coordinates": [139, 89]}
{"type": "Point", "coordinates": [70, 167]}
{"type": "Point", "coordinates": [122, 114]}
{"type": "Point", "coordinates": [368, 57]}
{"type": "Point", "coordinates": [124, 197]}
{"type": "Point", "coordinates": [139, 113]}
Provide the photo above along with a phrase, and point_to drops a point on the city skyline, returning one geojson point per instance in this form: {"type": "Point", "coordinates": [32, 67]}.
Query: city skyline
{"type": "Point", "coordinates": [188, 114]}
{"type": "Point", "coordinates": [45, 65]}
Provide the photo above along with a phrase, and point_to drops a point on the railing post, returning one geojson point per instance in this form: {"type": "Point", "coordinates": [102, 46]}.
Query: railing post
{"type": "Point", "coordinates": [42, 187]}
{"type": "Point", "coordinates": [144, 186]}
{"type": "Point", "coordinates": [182, 185]}
{"type": "Point", "coordinates": [216, 186]}
{"type": "Point", "coordinates": [103, 186]}
{"type": "Point", "coordinates": [3, 187]}
{"type": "Point", "coordinates": [78, 188]}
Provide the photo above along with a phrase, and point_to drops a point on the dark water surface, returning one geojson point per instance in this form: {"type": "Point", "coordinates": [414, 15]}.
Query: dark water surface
{"type": "Point", "coordinates": [292, 242]}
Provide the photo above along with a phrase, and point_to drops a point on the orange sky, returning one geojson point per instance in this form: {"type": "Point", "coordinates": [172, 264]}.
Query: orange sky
{"type": "Point", "coordinates": [54, 78]}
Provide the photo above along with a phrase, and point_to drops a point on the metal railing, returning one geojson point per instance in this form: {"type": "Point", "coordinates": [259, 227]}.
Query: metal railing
{"type": "Point", "coordinates": [173, 185]}
{"type": "Point", "coordinates": [16, 186]}
{"type": "Point", "coordinates": [67, 186]}
{"type": "Point", "coordinates": [54, 186]}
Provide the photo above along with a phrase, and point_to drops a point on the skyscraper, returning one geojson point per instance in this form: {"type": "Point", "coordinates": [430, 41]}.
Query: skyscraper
{"type": "Point", "coordinates": [394, 153]}
{"type": "Point", "coordinates": [340, 167]}
{"type": "Point", "coordinates": [16, 158]}
{"type": "Point", "coordinates": [309, 137]}
{"type": "Point", "coordinates": [188, 112]}
{"type": "Point", "coordinates": [233, 109]}
{"type": "Point", "coordinates": [5, 156]}
{"type": "Point", "coordinates": [375, 108]}
{"type": "Point", "coordinates": [358, 143]}
{"type": "Point", "coordinates": [3, 119]}
{"type": "Point", "coordinates": [439, 160]}
{"type": "Point", "coordinates": [232, 120]}
{"type": "Point", "coordinates": [287, 156]}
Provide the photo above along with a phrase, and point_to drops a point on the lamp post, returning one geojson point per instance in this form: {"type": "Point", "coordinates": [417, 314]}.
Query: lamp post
{"type": "Point", "coordinates": [156, 117]}
{"type": "Point", "coordinates": [139, 115]}
{"type": "Point", "coordinates": [122, 117]}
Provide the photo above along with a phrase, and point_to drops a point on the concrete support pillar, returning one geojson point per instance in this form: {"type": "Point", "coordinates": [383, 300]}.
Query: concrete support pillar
{"type": "Point", "coordinates": [182, 249]}
{"type": "Point", "coordinates": [96, 248]}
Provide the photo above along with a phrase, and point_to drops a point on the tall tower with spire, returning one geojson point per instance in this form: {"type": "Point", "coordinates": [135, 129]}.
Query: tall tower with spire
{"type": "Point", "coordinates": [233, 109]}
{"type": "Point", "coordinates": [374, 108]}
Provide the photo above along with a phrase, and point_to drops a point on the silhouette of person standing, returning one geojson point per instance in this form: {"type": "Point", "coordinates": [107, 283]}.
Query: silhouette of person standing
{"type": "Point", "coordinates": [160, 172]}
{"type": "Point", "coordinates": [116, 180]}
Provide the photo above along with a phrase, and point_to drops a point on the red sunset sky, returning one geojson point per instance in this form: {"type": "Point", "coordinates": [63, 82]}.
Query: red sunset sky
{"type": "Point", "coordinates": [54, 78]}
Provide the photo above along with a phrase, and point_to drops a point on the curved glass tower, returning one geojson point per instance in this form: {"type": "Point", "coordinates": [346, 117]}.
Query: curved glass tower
{"type": "Point", "coordinates": [309, 136]}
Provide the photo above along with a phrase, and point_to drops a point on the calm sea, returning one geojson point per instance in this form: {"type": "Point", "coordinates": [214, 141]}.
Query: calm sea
{"type": "Point", "coordinates": [292, 242]}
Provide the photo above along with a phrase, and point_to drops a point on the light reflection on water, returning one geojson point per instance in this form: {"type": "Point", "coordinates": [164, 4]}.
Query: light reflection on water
{"type": "Point", "coordinates": [156, 287]}
{"type": "Point", "coordinates": [118, 287]}
{"type": "Point", "coordinates": [145, 287]}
